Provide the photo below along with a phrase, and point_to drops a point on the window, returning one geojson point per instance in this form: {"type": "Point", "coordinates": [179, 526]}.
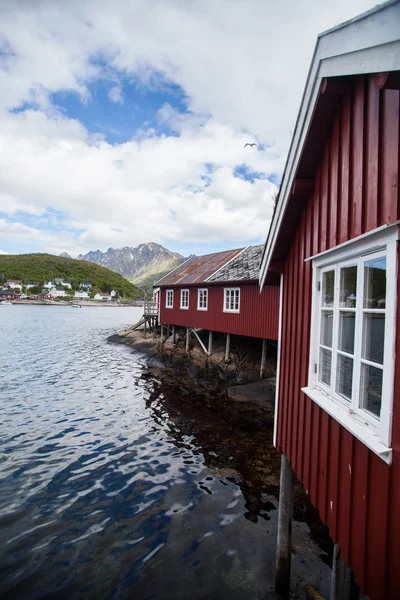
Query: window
{"type": "Point", "coordinates": [202, 299]}
{"type": "Point", "coordinates": [232, 300]}
{"type": "Point", "coordinates": [353, 334]}
{"type": "Point", "coordinates": [169, 300]}
{"type": "Point", "coordinates": [185, 299]}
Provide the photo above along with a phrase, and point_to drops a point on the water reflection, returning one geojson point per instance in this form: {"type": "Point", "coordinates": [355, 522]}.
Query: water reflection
{"type": "Point", "coordinates": [102, 493]}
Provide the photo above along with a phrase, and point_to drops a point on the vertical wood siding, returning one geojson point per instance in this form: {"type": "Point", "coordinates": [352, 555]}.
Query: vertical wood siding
{"type": "Point", "coordinates": [258, 315]}
{"type": "Point", "coordinates": [357, 494]}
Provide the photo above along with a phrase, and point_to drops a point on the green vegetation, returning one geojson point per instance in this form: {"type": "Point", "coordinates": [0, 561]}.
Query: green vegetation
{"type": "Point", "coordinates": [154, 273]}
{"type": "Point", "coordinates": [45, 267]}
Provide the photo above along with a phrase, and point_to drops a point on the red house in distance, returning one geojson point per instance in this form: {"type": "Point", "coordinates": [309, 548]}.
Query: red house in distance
{"type": "Point", "coordinates": [335, 233]}
{"type": "Point", "coordinates": [220, 292]}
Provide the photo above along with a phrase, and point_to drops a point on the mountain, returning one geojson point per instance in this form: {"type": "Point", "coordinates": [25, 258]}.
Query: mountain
{"type": "Point", "coordinates": [141, 265]}
{"type": "Point", "coordinates": [42, 267]}
{"type": "Point", "coordinates": [65, 255]}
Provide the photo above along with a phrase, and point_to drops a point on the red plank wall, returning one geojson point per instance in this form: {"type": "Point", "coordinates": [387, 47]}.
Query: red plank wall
{"type": "Point", "coordinates": [258, 315]}
{"type": "Point", "coordinates": [357, 493]}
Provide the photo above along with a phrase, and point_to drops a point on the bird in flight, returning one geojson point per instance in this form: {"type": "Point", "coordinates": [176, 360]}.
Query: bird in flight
{"type": "Point", "coordinates": [248, 144]}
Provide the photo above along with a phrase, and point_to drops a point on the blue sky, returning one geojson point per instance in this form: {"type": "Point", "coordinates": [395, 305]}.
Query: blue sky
{"type": "Point", "coordinates": [125, 123]}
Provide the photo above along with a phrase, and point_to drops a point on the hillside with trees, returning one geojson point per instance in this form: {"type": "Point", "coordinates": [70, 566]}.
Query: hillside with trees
{"type": "Point", "coordinates": [44, 267]}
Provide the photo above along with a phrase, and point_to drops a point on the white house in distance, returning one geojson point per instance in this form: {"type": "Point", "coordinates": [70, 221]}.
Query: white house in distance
{"type": "Point", "coordinates": [85, 285]}
{"type": "Point", "coordinates": [65, 283]}
{"type": "Point", "coordinates": [31, 284]}
{"type": "Point", "coordinates": [48, 285]}
{"type": "Point", "coordinates": [82, 295]}
{"type": "Point", "coordinates": [58, 292]}
{"type": "Point", "coordinates": [103, 297]}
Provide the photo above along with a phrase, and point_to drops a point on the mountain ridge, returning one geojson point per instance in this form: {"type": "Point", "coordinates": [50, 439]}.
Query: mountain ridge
{"type": "Point", "coordinates": [142, 265]}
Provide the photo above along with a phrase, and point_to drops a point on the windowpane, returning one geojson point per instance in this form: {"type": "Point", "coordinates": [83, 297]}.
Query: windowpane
{"type": "Point", "coordinates": [344, 376]}
{"type": "Point", "coordinates": [325, 362]}
{"type": "Point", "coordinates": [375, 283]}
{"type": "Point", "coordinates": [326, 327]}
{"type": "Point", "coordinates": [348, 287]}
{"type": "Point", "coordinates": [371, 389]}
{"type": "Point", "coordinates": [373, 337]}
{"type": "Point", "coordinates": [328, 288]}
{"type": "Point", "coordinates": [347, 322]}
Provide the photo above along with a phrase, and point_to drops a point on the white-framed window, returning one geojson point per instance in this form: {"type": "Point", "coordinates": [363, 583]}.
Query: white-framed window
{"type": "Point", "coordinates": [169, 299]}
{"type": "Point", "coordinates": [202, 299]}
{"type": "Point", "coordinates": [232, 300]}
{"type": "Point", "coordinates": [185, 299]}
{"type": "Point", "coordinates": [351, 372]}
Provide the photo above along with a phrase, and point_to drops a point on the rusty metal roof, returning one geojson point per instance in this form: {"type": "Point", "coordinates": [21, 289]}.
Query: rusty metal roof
{"type": "Point", "coordinates": [244, 267]}
{"type": "Point", "coordinates": [198, 268]}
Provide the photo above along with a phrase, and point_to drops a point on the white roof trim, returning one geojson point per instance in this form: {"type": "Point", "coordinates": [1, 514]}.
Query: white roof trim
{"type": "Point", "coordinates": [369, 43]}
{"type": "Point", "coordinates": [227, 263]}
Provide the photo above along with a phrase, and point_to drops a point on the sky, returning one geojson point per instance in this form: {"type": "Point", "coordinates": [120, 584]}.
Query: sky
{"type": "Point", "coordinates": [125, 122]}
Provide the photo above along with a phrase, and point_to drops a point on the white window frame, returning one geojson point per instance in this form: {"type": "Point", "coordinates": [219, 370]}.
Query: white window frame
{"type": "Point", "coordinates": [169, 294]}
{"type": "Point", "coordinates": [374, 432]}
{"type": "Point", "coordinates": [184, 302]}
{"type": "Point", "coordinates": [199, 303]}
{"type": "Point", "coordinates": [228, 291]}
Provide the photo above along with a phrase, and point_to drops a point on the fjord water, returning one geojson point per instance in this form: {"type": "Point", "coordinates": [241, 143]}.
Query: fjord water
{"type": "Point", "coordinates": [100, 495]}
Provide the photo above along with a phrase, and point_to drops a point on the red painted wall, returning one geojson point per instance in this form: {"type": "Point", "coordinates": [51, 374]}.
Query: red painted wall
{"type": "Point", "coordinates": [258, 315]}
{"type": "Point", "coordinates": [357, 493]}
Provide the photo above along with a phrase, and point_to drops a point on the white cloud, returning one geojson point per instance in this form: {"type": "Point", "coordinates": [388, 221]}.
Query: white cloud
{"type": "Point", "coordinates": [115, 95]}
{"type": "Point", "coordinates": [242, 66]}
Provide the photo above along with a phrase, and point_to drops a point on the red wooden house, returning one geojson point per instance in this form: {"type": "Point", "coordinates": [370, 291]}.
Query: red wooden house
{"type": "Point", "coordinates": [220, 292]}
{"type": "Point", "coordinates": [335, 233]}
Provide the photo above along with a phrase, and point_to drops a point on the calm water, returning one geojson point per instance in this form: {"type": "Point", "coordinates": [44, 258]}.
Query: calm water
{"type": "Point", "coordinates": [100, 496]}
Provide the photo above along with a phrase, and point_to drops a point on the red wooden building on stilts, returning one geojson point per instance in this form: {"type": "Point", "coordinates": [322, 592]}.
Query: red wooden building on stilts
{"type": "Point", "coordinates": [220, 293]}
{"type": "Point", "coordinates": [335, 233]}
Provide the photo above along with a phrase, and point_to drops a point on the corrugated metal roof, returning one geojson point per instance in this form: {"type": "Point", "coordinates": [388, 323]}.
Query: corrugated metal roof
{"type": "Point", "coordinates": [198, 268]}
{"type": "Point", "coordinates": [244, 267]}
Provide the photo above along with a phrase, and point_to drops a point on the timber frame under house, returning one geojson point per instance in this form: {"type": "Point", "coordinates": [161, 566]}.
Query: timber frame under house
{"type": "Point", "coordinates": [335, 235]}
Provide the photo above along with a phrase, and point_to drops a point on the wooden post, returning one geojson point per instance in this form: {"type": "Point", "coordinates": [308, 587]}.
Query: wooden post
{"type": "Point", "coordinates": [263, 357]}
{"type": "Point", "coordinates": [210, 340]}
{"type": "Point", "coordinates": [341, 578]}
{"type": "Point", "coordinates": [227, 347]}
{"type": "Point", "coordinates": [173, 335]}
{"type": "Point", "coordinates": [284, 541]}
{"type": "Point", "coordinates": [145, 322]}
{"type": "Point", "coordinates": [162, 335]}
{"type": "Point", "coordinates": [187, 339]}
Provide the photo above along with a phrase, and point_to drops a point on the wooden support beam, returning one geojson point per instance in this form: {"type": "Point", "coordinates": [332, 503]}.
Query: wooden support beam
{"type": "Point", "coordinates": [227, 347]}
{"type": "Point", "coordinates": [342, 580]}
{"type": "Point", "coordinates": [199, 340]}
{"type": "Point", "coordinates": [263, 357]}
{"type": "Point", "coordinates": [284, 541]}
{"type": "Point", "coordinates": [187, 339]}
{"type": "Point", "coordinates": [173, 335]}
{"type": "Point", "coordinates": [387, 81]}
{"type": "Point", "coordinates": [210, 342]}
{"type": "Point", "coordinates": [145, 323]}
{"type": "Point", "coordinates": [162, 335]}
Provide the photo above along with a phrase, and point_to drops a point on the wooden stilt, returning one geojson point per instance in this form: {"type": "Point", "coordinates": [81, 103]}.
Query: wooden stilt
{"type": "Point", "coordinates": [210, 341]}
{"type": "Point", "coordinates": [162, 335]}
{"type": "Point", "coordinates": [187, 339]}
{"type": "Point", "coordinates": [342, 587]}
{"type": "Point", "coordinates": [145, 324]}
{"type": "Point", "coordinates": [227, 347]}
{"type": "Point", "coordinates": [263, 357]}
{"type": "Point", "coordinates": [284, 541]}
{"type": "Point", "coordinates": [173, 335]}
